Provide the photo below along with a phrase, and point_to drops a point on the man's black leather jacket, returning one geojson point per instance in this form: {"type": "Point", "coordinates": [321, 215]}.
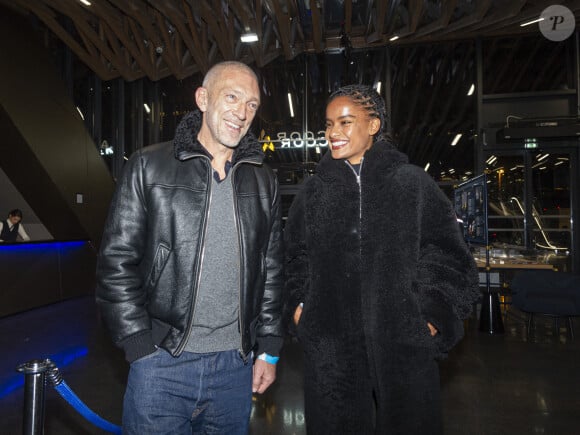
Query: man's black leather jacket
{"type": "Point", "coordinates": [150, 256]}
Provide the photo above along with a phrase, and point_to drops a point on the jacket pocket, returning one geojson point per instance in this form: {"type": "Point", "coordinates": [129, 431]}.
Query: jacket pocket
{"type": "Point", "coordinates": [159, 262]}
{"type": "Point", "coordinates": [157, 351]}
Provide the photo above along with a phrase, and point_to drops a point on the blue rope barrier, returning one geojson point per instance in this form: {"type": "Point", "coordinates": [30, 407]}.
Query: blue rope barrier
{"type": "Point", "coordinates": [67, 394]}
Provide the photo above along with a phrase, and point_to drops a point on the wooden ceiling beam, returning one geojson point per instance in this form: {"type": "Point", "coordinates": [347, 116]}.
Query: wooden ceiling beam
{"type": "Point", "coordinates": [259, 30]}
{"type": "Point", "coordinates": [283, 29]}
{"type": "Point", "coordinates": [416, 12]}
{"type": "Point", "coordinates": [192, 36]}
{"type": "Point", "coordinates": [47, 16]}
{"type": "Point", "coordinates": [316, 27]}
{"type": "Point", "coordinates": [249, 25]}
{"type": "Point", "coordinates": [87, 27]}
{"type": "Point", "coordinates": [482, 8]}
{"type": "Point", "coordinates": [118, 25]}
{"type": "Point", "coordinates": [141, 53]}
{"type": "Point", "coordinates": [69, 9]}
{"type": "Point", "coordinates": [503, 17]}
{"type": "Point", "coordinates": [379, 18]}
{"type": "Point", "coordinates": [171, 53]}
{"type": "Point", "coordinates": [348, 16]}
{"type": "Point", "coordinates": [139, 12]}
{"type": "Point", "coordinates": [297, 26]}
{"type": "Point", "coordinates": [114, 58]}
{"type": "Point", "coordinates": [181, 34]}
{"type": "Point", "coordinates": [215, 19]}
{"type": "Point", "coordinates": [448, 7]}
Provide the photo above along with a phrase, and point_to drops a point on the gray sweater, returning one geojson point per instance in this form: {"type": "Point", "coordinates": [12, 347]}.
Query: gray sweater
{"type": "Point", "coordinates": [215, 321]}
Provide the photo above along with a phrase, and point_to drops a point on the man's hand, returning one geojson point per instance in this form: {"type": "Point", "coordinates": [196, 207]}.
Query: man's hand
{"type": "Point", "coordinates": [264, 376]}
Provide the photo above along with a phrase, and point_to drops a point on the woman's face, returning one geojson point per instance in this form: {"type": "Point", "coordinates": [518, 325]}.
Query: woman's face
{"type": "Point", "coordinates": [349, 129]}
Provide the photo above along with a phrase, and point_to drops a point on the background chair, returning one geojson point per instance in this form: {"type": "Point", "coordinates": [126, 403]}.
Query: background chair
{"type": "Point", "coordinates": [555, 294]}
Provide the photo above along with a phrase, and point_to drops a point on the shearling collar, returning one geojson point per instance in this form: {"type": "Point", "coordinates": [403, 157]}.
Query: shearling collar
{"type": "Point", "coordinates": [382, 156]}
{"type": "Point", "coordinates": [186, 144]}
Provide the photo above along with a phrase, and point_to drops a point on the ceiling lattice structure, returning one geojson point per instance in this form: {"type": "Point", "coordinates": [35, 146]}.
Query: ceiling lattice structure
{"type": "Point", "coordinates": [133, 39]}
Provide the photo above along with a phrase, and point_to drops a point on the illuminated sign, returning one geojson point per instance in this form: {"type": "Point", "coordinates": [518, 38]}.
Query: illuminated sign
{"type": "Point", "coordinates": [300, 140]}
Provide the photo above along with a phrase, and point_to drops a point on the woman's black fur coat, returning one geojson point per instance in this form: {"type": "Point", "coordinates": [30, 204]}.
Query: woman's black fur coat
{"type": "Point", "coordinates": [373, 263]}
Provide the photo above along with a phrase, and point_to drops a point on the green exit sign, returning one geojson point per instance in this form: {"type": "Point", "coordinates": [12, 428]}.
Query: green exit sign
{"type": "Point", "coordinates": [530, 143]}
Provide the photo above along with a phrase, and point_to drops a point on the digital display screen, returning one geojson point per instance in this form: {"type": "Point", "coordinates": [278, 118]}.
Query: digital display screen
{"type": "Point", "coordinates": [470, 200]}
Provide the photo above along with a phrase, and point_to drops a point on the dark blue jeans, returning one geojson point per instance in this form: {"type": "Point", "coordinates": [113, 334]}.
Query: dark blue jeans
{"type": "Point", "coordinates": [195, 393]}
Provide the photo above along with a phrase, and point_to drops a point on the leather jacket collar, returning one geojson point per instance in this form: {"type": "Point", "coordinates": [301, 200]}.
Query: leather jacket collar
{"type": "Point", "coordinates": [187, 146]}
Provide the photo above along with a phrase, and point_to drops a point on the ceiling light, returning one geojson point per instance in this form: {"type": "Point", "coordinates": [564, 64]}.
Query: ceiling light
{"type": "Point", "coordinates": [393, 38]}
{"type": "Point", "coordinates": [147, 109]}
{"type": "Point", "coordinates": [542, 157]}
{"type": "Point", "coordinates": [290, 105]}
{"type": "Point", "coordinates": [537, 20]}
{"type": "Point", "coordinates": [471, 90]}
{"type": "Point", "coordinates": [85, 2]}
{"type": "Point", "coordinates": [249, 37]}
{"type": "Point", "coordinates": [427, 166]}
{"type": "Point", "coordinates": [456, 139]}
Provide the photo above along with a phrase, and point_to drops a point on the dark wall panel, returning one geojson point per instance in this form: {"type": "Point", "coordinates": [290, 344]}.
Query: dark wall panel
{"type": "Point", "coordinates": [37, 274]}
{"type": "Point", "coordinates": [45, 148]}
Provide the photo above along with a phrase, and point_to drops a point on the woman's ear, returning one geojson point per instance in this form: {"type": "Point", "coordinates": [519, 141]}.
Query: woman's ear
{"type": "Point", "coordinates": [374, 126]}
{"type": "Point", "coordinates": [201, 98]}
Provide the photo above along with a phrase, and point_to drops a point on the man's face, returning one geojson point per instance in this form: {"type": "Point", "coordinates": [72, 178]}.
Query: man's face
{"type": "Point", "coordinates": [14, 219]}
{"type": "Point", "coordinates": [229, 103]}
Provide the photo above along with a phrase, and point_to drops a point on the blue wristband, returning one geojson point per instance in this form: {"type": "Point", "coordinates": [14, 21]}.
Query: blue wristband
{"type": "Point", "coordinates": [268, 358]}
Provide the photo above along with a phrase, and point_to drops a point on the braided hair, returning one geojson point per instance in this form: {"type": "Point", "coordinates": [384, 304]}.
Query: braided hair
{"type": "Point", "coordinates": [369, 100]}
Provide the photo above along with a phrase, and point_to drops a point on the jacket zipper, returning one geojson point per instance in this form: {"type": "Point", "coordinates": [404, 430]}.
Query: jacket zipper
{"type": "Point", "coordinates": [358, 182]}
{"type": "Point", "coordinates": [370, 350]}
{"type": "Point", "coordinates": [200, 264]}
{"type": "Point", "coordinates": [240, 261]}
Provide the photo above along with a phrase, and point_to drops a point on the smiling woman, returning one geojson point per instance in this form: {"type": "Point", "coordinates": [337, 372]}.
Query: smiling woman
{"type": "Point", "coordinates": [379, 279]}
{"type": "Point", "coordinates": [350, 129]}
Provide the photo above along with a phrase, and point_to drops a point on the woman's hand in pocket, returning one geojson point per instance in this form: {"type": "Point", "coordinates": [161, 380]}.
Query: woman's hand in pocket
{"type": "Point", "coordinates": [297, 314]}
{"type": "Point", "coordinates": [432, 329]}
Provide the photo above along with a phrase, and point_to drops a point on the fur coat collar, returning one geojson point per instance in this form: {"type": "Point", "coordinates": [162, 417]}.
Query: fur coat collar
{"type": "Point", "coordinates": [382, 156]}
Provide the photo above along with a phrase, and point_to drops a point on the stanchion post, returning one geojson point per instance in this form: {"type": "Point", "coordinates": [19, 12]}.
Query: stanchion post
{"type": "Point", "coordinates": [490, 320]}
{"type": "Point", "coordinates": [34, 388]}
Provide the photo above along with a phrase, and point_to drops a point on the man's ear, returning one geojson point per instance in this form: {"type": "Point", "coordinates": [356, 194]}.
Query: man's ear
{"type": "Point", "coordinates": [374, 126]}
{"type": "Point", "coordinates": [201, 98]}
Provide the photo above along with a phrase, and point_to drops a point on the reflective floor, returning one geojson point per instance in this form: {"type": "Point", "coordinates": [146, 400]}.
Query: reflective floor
{"type": "Point", "coordinates": [492, 384]}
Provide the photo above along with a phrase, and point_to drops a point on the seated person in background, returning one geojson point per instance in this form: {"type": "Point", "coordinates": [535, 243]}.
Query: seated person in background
{"type": "Point", "coordinates": [11, 228]}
